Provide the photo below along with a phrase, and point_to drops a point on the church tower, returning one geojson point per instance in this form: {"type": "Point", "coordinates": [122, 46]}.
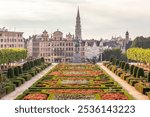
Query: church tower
{"type": "Point", "coordinates": [78, 27]}
{"type": "Point", "coordinates": [127, 37]}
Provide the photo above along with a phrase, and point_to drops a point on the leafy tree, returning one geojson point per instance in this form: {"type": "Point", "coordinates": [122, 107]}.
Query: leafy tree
{"type": "Point", "coordinates": [141, 42]}
{"type": "Point", "coordinates": [113, 53]}
{"type": "Point", "coordinates": [12, 54]}
{"type": "Point", "coordinates": [139, 54]}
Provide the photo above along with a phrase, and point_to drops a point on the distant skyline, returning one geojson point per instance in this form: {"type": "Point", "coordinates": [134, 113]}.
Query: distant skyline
{"type": "Point", "coordinates": [99, 18]}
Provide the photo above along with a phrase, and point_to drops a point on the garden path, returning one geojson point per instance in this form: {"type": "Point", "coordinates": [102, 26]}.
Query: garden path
{"type": "Point", "coordinates": [131, 90]}
{"type": "Point", "coordinates": [26, 85]}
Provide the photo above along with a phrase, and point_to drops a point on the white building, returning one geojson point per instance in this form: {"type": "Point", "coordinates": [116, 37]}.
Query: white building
{"type": "Point", "coordinates": [93, 48]}
{"type": "Point", "coordinates": [11, 39]}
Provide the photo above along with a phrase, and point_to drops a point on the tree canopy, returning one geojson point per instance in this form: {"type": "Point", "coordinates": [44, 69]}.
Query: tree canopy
{"type": "Point", "coordinates": [115, 53]}
{"type": "Point", "coordinates": [139, 54]}
{"type": "Point", "coordinates": [141, 42]}
{"type": "Point", "coordinates": [12, 54]}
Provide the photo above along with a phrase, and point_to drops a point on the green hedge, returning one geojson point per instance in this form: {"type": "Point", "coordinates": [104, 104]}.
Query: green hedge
{"type": "Point", "coordinates": [9, 89]}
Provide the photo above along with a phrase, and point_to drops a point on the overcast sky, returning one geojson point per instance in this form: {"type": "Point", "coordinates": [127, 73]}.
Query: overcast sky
{"type": "Point", "coordinates": [99, 18]}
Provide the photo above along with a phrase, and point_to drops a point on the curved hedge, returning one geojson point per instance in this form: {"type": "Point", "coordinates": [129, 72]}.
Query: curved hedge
{"type": "Point", "coordinates": [139, 54]}
{"type": "Point", "coordinates": [12, 54]}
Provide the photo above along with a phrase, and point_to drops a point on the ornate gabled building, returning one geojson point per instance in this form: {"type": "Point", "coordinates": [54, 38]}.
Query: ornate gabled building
{"type": "Point", "coordinates": [55, 48]}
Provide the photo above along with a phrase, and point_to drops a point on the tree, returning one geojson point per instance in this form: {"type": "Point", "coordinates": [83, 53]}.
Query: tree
{"type": "Point", "coordinates": [139, 54]}
{"type": "Point", "coordinates": [141, 42]}
{"type": "Point", "coordinates": [12, 54]}
{"type": "Point", "coordinates": [113, 53]}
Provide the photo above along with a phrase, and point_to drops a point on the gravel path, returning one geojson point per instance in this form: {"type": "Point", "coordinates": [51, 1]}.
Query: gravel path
{"type": "Point", "coordinates": [131, 90]}
{"type": "Point", "coordinates": [26, 85]}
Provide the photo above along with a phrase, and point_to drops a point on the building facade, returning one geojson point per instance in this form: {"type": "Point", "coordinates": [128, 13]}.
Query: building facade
{"type": "Point", "coordinates": [119, 42]}
{"type": "Point", "coordinates": [54, 48]}
{"type": "Point", "coordinates": [11, 39]}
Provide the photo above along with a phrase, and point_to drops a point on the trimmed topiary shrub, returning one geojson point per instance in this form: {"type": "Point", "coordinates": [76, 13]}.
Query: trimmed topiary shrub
{"type": "Point", "coordinates": [132, 69]}
{"type": "Point", "coordinates": [42, 60]}
{"type": "Point", "coordinates": [140, 73]}
{"type": "Point", "coordinates": [126, 67]}
{"type": "Point", "coordinates": [135, 71]}
{"type": "Point", "coordinates": [29, 65]}
{"type": "Point", "coordinates": [37, 62]}
{"type": "Point", "coordinates": [148, 77]}
{"type": "Point", "coordinates": [117, 62]}
{"type": "Point", "coordinates": [21, 79]}
{"type": "Point", "coordinates": [10, 73]}
{"type": "Point", "coordinates": [16, 71]}
{"type": "Point", "coordinates": [114, 61]}
{"type": "Point", "coordinates": [17, 82]}
{"type": "Point", "coordinates": [1, 78]}
{"type": "Point", "coordinates": [20, 69]}
{"type": "Point", "coordinates": [111, 59]}
{"type": "Point", "coordinates": [32, 64]}
{"type": "Point", "coordinates": [122, 65]}
{"type": "Point", "coordinates": [25, 67]}
{"type": "Point", "coordinates": [9, 89]}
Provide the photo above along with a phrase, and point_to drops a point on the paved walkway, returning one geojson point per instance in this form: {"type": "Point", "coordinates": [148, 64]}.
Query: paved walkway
{"type": "Point", "coordinates": [131, 90]}
{"type": "Point", "coordinates": [26, 85]}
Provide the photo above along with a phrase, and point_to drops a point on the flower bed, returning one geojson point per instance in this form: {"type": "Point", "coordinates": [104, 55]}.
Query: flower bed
{"type": "Point", "coordinates": [74, 82]}
{"type": "Point", "coordinates": [35, 96]}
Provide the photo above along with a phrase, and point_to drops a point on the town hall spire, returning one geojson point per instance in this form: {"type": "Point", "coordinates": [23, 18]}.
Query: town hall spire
{"type": "Point", "coordinates": [78, 27]}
